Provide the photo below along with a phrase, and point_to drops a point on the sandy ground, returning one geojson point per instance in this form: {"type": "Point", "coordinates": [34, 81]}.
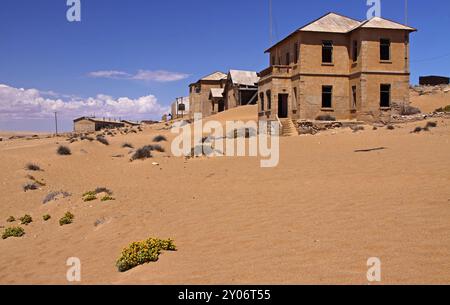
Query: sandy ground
{"type": "Point", "coordinates": [429, 103]}
{"type": "Point", "coordinates": [316, 218]}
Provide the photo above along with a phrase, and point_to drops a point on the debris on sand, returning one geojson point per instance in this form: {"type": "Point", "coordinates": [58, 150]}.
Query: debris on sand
{"type": "Point", "coordinates": [370, 149]}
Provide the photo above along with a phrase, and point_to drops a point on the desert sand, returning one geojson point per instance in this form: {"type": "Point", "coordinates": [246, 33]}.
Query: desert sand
{"type": "Point", "coordinates": [314, 219]}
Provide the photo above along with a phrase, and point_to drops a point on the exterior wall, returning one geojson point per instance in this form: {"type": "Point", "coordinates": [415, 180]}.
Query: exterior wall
{"type": "Point", "coordinates": [311, 97]}
{"type": "Point", "coordinates": [84, 126]}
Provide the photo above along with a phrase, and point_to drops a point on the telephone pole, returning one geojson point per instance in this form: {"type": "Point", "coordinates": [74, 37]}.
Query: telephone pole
{"type": "Point", "coordinates": [56, 123]}
{"type": "Point", "coordinates": [406, 12]}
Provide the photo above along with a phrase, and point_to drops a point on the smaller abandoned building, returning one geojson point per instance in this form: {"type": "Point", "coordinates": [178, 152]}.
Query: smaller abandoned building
{"type": "Point", "coordinates": [200, 91]}
{"type": "Point", "coordinates": [241, 89]}
{"type": "Point", "coordinates": [180, 108]}
{"type": "Point", "coordinates": [218, 92]}
{"type": "Point", "coordinates": [433, 80]}
{"type": "Point", "coordinates": [90, 124]}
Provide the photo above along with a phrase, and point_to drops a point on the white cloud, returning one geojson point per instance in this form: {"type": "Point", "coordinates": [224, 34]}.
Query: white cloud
{"type": "Point", "coordinates": [161, 76]}
{"type": "Point", "coordinates": [21, 103]}
{"type": "Point", "coordinates": [109, 74]}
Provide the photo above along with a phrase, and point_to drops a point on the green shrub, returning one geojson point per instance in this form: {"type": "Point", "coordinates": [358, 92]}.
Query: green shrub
{"type": "Point", "coordinates": [67, 219]}
{"type": "Point", "coordinates": [89, 196]}
{"type": "Point", "coordinates": [26, 220]}
{"type": "Point", "coordinates": [107, 198]}
{"type": "Point", "coordinates": [143, 252]}
{"type": "Point", "coordinates": [443, 109]}
{"type": "Point", "coordinates": [46, 217]}
{"type": "Point", "coordinates": [13, 232]}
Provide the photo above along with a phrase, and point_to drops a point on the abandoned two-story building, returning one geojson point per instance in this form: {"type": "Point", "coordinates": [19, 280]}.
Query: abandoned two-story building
{"type": "Point", "coordinates": [337, 66]}
{"type": "Point", "coordinates": [218, 92]}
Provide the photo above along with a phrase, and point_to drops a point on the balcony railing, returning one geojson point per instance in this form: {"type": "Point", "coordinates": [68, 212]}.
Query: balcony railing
{"type": "Point", "coordinates": [278, 71]}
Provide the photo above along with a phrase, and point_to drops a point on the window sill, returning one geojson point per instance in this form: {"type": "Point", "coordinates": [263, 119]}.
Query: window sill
{"type": "Point", "coordinates": [385, 108]}
{"type": "Point", "coordinates": [385, 61]}
{"type": "Point", "coordinates": [327, 109]}
{"type": "Point", "coordinates": [328, 64]}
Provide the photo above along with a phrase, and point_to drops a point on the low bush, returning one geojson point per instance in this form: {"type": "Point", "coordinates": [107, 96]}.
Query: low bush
{"type": "Point", "coordinates": [326, 118]}
{"type": "Point", "coordinates": [67, 219]}
{"type": "Point", "coordinates": [89, 196]}
{"type": "Point", "coordinates": [26, 220]}
{"type": "Point", "coordinates": [156, 147]}
{"type": "Point", "coordinates": [443, 109]}
{"type": "Point", "coordinates": [99, 190]}
{"type": "Point", "coordinates": [102, 140]}
{"type": "Point", "coordinates": [46, 217]}
{"type": "Point", "coordinates": [86, 138]}
{"type": "Point", "coordinates": [390, 127]}
{"type": "Point", "coordinates": [431, 125]}
{"type": "Point", "coordinates": [107, 198]}
{"type": "Point", "coordinates": [13, 232]}
{"type": "Point", "coordinates": [417, 129]}
{"type": "Point", "coordinates": [11, 219]}
{"type": "Point", "coordinates": [54, 196]}
{"type": "Point", "coordinates": [127, 145]}
{"type": "Point", "coordinates": [64, 151]}
{"type": "Point", "coordinates": [142, 153]}
{"type": "Point", "coordinates": [33, 167]}
{"type": "Point", "coordinates": [159, 138]}
{"type": "Point", "coordinates": [38, 182]}
{"type": "Point", "coordinates": [143, 252]}
{"type": "Point", "coordinates": [409, 110]}
{"type": "Point", "coordinates": [31, 186]}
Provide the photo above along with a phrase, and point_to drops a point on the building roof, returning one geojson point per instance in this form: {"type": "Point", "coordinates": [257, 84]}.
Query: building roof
{"type": "Point", "coordinates": [335, 23]}
{"type": "Point", "coordinates": [381, 23]}
{"type": "Point", "coordinates": [216, 92]}
{"type": "Point", "coordinates": [331, 23]}
{"type": "Point", "coordinates": [246, 78]}
{"type": "Point", "coordinates": [130, 122]}
{"type": "Point", "coordinates": [97, 120]}
{"type": "Point", "coordinates": [215, 76]}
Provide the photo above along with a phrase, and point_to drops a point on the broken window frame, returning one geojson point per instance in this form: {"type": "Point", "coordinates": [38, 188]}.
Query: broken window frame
{"type": "Point", "coordinates": [327, 97]}
{"type": "Point", "coordinates": [327, 52]}
{"type": "Point", "coordinates": [269, 99]}
{"type": "Point", "coordinates": [261, 101]}
{"type": "Point", "coordinates": [385, 95]}
{"type": "Point", "coordinates": [385, 49]}
{"type": "Point", "coordinates": [355, 51]}
{"type": "Point", "coordinates": [354, 97]}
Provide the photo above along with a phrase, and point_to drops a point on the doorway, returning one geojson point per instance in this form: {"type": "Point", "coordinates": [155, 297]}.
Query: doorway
{"type": "Point", "coordinates": [283, 106]}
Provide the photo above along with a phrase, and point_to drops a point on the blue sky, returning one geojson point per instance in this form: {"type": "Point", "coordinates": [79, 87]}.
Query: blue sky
{"type": "Point", "coordinates": [159, 47]}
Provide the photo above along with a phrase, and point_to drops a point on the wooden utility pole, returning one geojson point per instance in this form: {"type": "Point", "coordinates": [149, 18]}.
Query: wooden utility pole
{"type": "Point", "coordinates": [406, 12]}
{"type": "Point", "coordinates": [270, 24]}
{"type": "Point", "coordinates": [56, 123]}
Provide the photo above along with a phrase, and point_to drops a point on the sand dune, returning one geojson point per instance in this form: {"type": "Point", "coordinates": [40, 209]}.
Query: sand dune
{"type": "Point", "coordinates": [316, 218]}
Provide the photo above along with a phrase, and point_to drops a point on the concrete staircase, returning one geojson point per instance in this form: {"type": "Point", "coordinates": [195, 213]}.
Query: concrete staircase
{"type": "Point", "coordinates": [288, 128]}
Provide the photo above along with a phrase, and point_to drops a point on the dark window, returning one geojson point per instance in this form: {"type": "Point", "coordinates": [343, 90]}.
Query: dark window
{"type": "Point", "coordinates": [296, 51]}
{"type": "Point", "coordinates": [327, 96]}
{"type": "Point", "coordinates": [354, 97]}
{"type": "Point", "coordinates": [288, 58]}
{"type": "Point", "coordinates": [269, 100]}
{"type": "Point", "coordinates": [261, 100]}
{"type": "Point", "coordinates": [272, 61]}
{"type": "Point", "coordinates": [327, 52]}
{"type": "Point", "coordinates": [355, 50]}
{"type": "Point", "coordinates": [385, 49]}
{"type": "Point", "coordinates": [385, 96]}
{"type": "Point", "coordinates": [198, 89]}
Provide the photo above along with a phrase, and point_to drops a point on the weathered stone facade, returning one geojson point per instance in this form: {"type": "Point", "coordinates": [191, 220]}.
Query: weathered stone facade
{"type": "Point", "coordinates": [300, 74]}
